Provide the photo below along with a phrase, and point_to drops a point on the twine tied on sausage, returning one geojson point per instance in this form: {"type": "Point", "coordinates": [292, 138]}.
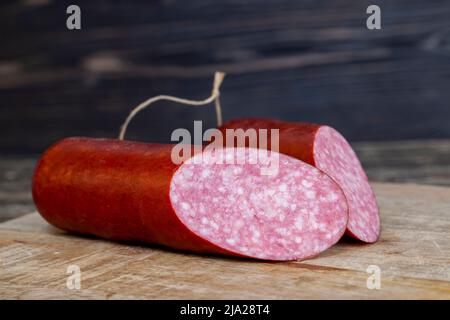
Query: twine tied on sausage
{"type": "Point", "coordinates": [215, 96]}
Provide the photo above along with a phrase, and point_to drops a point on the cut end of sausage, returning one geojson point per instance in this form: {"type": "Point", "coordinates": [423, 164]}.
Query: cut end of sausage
{"type": "Point", "coordinates": [334, 156]}
{"type": "Point", "coordinates": [294, 214]}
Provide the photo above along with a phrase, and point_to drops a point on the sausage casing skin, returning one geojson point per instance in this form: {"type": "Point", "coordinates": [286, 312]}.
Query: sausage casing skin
{"type": "Point", "coordinates": [131, 191]}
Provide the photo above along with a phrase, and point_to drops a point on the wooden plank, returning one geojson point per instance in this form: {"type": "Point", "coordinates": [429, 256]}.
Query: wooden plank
{"type": "Point", "coordinates": [413, 255]}
{"type": "Point", "coordinates": [295, 60]}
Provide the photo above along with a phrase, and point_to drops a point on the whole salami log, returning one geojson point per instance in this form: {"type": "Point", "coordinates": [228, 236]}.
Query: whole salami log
{"type": "Point", "coordinates": [132, 191]}
{"type": "Point", "coordinates": [326, 149]}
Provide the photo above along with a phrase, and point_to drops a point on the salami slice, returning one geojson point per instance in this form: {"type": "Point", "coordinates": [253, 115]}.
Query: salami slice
{"type": "Point", "coordinates": [132, 191]}
{"type": "Point", "coordinates": [326, 149]}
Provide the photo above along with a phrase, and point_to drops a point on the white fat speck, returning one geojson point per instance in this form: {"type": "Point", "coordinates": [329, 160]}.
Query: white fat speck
{"type": "Point", "coordinates": [332, 197]}
{"type": "Point", "coordinates": [204, 231]}
{"type": "Point", "coordinates": [256, 234]}
{"type": "Point", "coordinates": [185, 206]}
{"type": "Point", "coordinates": [298, 240]}
{"type": "Point", "coordinates": [322, 227]}
{"type": "Point", "coordinates": [231, 241]}
{"type": "Point", "coordinates": [204, 220]}
{"type": "Point", "coordinates": [221, 189]}
{"type": "Point", "coordinates": [239, 224]}
{"type": "Point", "coordinates": [247, 213]}
{"type": "Point", "coordinates": [229, 158]}
{"type": "Point", "coordinates": [206, 173]}
{"type": "Point", "coordinates": [282, 187]}
{"type": "Point", "coordinates": [270, 213]}
{"type": "Point", "coordinates": [240, 190]}
{"type": "Point", "coordinates": [174, 199]}
{"type": "Point", "coordinates": [214, 225]}
{"type": "Point", "coordinates": [306, 183]}
{"type": "Point", "coordinates": [299, 223]}
{"type": "Point", "coordinates": [188, 173]}
{"type": "Point", "coordinates": [281, 231]}
{"type": "Point", "coordinates": [310, 194]}
{"type": "Point", "coordinates": [243, 249]}
{"type": "Point", "coordinates": [281, 217]}
{"type": "Point", "coordinates": [215, 200]}
{"type": "Point", "coordinates": [293, 206]}
{"type": "Point", "coordinates": [237, 170]}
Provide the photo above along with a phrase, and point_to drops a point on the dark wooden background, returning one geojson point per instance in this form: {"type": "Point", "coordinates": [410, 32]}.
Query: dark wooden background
{"type": "Point", "coordinates": [295, 60]}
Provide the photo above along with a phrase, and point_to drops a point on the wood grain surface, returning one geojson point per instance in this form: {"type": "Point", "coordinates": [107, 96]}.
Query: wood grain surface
{"type": "Point", "coordinates": [295, 60]}
{"type": "Point", "coordinates": [413, 255]}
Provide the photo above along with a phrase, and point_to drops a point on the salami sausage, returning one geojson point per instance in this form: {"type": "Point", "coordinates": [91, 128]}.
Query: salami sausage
{"type": "Point", "coordinates": [326, 149]}
{"type": "Point", "coordinates": [132, 191]}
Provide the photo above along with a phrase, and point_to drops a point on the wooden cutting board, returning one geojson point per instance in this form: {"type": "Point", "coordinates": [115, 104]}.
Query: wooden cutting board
{"type": "Point", "coordinates": [413, 257]}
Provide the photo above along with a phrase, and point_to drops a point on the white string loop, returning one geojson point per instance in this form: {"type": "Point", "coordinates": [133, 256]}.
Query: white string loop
{"type": "Point", "coordinates": [215, 96]}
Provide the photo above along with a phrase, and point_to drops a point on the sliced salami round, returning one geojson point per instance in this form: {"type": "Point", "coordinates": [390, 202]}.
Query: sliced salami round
{"type": "Point", "coordinates": [326, 149]}
{"type": "Point", "coordinates": [293, 214]}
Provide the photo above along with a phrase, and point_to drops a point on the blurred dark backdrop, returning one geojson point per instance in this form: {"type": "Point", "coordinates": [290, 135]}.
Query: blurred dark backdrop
{"type": "Point", "coordinates": [294, 60]}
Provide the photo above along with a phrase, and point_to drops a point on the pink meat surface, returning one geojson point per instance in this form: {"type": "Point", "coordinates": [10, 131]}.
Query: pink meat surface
{"type": "Point", "coordinates": [294, 214]}
{"type": "Point", "coordinates": [334, 156]}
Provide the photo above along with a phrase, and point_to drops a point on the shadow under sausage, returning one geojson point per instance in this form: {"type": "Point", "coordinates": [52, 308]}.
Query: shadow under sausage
{"type": "Point", "coordinates": [345, 240]}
